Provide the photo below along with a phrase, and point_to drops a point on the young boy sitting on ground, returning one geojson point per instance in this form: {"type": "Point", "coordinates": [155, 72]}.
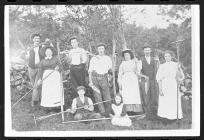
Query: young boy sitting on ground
{"type": "Point", "coordinates": [82, 106]}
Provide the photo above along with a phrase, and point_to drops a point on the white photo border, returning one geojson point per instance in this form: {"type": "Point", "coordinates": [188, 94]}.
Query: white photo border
{"type": "Point", "coordinates": [195, 131]}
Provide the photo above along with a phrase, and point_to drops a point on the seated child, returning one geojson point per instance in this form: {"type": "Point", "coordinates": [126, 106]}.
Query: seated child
{"type": "Point", "coordinates": [120, 117]}
{"type": "Point", "coordinates": [85, 105]}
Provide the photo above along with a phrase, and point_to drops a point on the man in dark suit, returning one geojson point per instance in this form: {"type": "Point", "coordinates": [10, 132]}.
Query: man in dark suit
{"type": "Point", "coordinates": [150, 95]}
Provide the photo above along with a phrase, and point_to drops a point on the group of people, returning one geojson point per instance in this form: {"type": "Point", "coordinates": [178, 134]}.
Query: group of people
{"type": "Point", "coordinates": [145, 86]}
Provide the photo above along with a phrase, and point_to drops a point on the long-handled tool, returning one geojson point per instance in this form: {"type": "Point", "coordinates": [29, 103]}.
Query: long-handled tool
{"type": "Point", "coordinates": [44, 117]}
{"type": "Point", "coordinates": [61, 84]}
{"type": "Point", "coordinates": [138, 117]}
{"type": "Point", "coordinates": [178, 59]}
{"type": "Point", "coordinates": [30, 91]}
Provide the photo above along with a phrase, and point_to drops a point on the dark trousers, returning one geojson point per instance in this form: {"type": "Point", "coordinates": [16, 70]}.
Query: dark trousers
{"type": "Point", "coordinates": [150, 99]}
{"type": "Point", "coordinates": [77, 76]}
{"type": "Point", "coordinates": [36, 91]}
{"type": "Point", "coordinates": [101, 82]}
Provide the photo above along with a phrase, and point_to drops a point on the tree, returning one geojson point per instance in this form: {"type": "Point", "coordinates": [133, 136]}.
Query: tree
{"type": "Point", "coordinates": [100, 23]}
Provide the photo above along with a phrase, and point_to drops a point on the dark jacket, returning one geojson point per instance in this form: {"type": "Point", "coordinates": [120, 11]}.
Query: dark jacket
{"type": "Point", "coordinates": [31, 60]}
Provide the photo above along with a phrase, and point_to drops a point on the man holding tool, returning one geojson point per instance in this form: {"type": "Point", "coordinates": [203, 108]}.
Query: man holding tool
{"type": "Point", "coordinates": [98, 80]}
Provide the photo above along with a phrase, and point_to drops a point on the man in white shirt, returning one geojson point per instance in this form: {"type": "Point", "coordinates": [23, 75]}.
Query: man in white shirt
{"type": "Point", "coordinates": [98, 72]}
{"type": "Point", "coordinates": [77, 58]}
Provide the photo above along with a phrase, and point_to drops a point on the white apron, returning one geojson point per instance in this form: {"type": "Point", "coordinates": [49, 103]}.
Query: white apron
{"type": "Point", "coordinates": [130, 88]}
{"type": "Point", "coordinates": [118, 119]}
{"type": "Point", "coordinates": [51, 90]}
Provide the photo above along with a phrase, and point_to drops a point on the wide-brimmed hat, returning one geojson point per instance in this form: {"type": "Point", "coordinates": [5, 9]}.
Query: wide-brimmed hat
{"type": "Point", "coordinates": [54, 51]}
{"type": "Point", "coordinates": [127, 51]}
{"type": "Point", "coordinates": [80, 88]}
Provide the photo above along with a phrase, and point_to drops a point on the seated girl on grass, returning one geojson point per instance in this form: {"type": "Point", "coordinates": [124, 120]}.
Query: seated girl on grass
{"type": "Point", "coordinates": [120, 117]}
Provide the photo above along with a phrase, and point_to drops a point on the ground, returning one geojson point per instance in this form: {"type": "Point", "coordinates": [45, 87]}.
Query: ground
{"type": "Point", "coordinates": [22, 120]}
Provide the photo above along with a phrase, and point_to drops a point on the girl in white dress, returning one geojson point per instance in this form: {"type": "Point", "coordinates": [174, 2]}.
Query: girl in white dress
{"type": "Point", "coordinates": [120, 117]}
{"type": "Point", "coordinates": [167, 76]}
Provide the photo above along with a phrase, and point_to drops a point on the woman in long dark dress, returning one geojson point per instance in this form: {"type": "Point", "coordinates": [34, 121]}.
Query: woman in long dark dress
{"type": "Point", "coordinates": [51, 90]}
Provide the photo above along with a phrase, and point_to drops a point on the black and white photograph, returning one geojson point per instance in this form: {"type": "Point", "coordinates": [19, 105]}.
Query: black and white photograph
{"type": "Point", "coordinates": [102, 70]}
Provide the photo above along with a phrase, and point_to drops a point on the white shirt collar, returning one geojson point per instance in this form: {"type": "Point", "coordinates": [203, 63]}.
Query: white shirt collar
{"type": "Point", "coordinates": [48, 57]}
{"type": "Point", "coordinates": [148, 58]}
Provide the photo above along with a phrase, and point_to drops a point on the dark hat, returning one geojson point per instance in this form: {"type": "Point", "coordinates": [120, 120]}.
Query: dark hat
{"type": "Point", "coordinates": [48, 47]}
{"type": "Point", "coordinates": [71, 38]}
{"type": "Point", "coordinates": [101, 44]}
{"type": "Point", "coordinates": [146, 45]}
{"type": "Point", "coordinates": [80, 87]}
{"type": "Point", "coordinates": [127, 51]}
{"type": "Point", "coordinates": [36, 34]}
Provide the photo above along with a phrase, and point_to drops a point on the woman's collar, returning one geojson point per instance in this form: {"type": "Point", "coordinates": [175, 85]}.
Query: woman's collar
{"type": "Point", "coordinates": [50, 57]}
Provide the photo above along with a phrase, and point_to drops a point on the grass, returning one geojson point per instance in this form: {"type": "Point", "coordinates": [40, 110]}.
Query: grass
{"type": "Point", "coordinates": [22, 120]}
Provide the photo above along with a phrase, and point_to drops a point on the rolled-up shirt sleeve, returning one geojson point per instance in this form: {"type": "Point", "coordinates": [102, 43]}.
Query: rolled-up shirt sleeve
{"type": "Point", "coordinates": [91, 104]}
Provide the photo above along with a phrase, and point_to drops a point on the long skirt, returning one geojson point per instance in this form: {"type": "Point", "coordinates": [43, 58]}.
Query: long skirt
{"type": "Point", "coordinates": [51, 90]}
{"type": "Point", "coordinates": [130, 92]}
{"type": "Point", "coordinates": [168, 103]}
{"type": "Point", "coordinates": [121, 121]}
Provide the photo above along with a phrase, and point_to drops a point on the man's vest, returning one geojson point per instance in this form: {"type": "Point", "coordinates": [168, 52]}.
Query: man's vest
{"type": "Point", "coordinates": [31, 61]}
{"type": "Point", "coordinates": [79, 103]}
{"type": "Point", "coordinates": [148, 69]}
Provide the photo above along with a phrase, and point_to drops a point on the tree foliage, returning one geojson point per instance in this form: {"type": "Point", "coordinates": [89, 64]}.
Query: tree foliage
{"type": "Point", "coordinates": [99, 23]}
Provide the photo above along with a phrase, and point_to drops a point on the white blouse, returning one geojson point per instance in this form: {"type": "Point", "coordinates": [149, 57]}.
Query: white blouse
{"type": "Point", "coordinates": [77, 56]}
{"type": "Point", "coordinates": [100, 64]}
{"type": "Point", "coordinates": [168, 70]}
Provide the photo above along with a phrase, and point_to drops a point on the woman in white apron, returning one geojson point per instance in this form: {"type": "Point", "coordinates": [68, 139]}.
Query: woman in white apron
{"type": "Point", "coordinates": [167, 76]}
{"type": "Point", "coordinates": [129, 84]}
{"type": "Point", "coordinates": [51, 90]}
